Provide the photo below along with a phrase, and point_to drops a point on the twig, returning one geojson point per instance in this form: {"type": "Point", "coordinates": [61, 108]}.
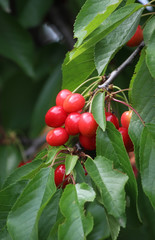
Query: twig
{"type": "Point", "coordinates": [117, 71]}
{"type": "Point", "coordinates": [36, 144]}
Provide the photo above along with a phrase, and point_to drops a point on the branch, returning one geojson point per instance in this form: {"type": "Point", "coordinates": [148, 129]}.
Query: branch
{"type": "Point", "coordinates": [36, 144]}
{"type": "Point", "coordinates": [117, 71]}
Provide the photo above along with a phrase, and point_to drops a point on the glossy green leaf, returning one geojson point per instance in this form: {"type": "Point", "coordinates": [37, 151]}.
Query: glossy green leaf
{"type": "Point", "coordinates": [16, 43]}
{"type": "Point", "coordinates": [149, 30]}
{"type": "Point", "coordinates": [113, 21]}
{"type": "Point", "coordinates": [150, 55]}
{"type": "Point", "coordinates": [31, 12]}
{"type": "Point", "coordinates": [107, 48]}
{"type": "Point", "coordinates": [147, 163]}
{"type": "Point", "coordinates": [9, 160]}
{"type": "Point", "coordinates": [101, 228]}
{"type": "Point", "coordinates": [23, 172]}
{"type": "Point", "coordinates": [142, 98]}
{"type": "Point", "coordinates": [49, 216]}
{"type": "Point", "coordinates": [45, 101]}
{"type": "Point", "coordinates": [8, 197]}
{"type": "Point", "coordinates": [23, 219]}
{"type": "Point", "coordinates": [92, 14]}
{"type": "Point", "coordinates": [70, 163]}
{"type": "Point", "coordinates": [110, 183]}
{"type": "Point", "coordinates": [77, 224]}
{"type": "Point", "coordinates": [110, 145]}
{"type": "Point", "coordinates": [78, 70]}
{"type": "Point", "coordinates": [98, 110]}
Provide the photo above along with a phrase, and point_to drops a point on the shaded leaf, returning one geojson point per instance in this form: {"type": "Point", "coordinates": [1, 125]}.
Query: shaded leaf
{"type": "Point", "coordinates": [70, 163]}
{"type": "Point", "coordinates": [23, 219]}
{"type": "Point", "coordinates": [77, 225]}
{"type": "Point", "coordinates": [147, 163]}
{"type": "Point", "coordinates": [4, 235]}
{"type": "Point", "coordinates": [149, 30]}
{"type": "Point", "coordinates": [96, 12]}
{"type": "Point", "coordinates": [110, 183]}
{"type": "Point", "coordinates": [114, 227]}
{"type": "Point", "coordinates": [98, 110]}
{"type": "Point", "coordinates": [150, 55]}
{"type": "Point", "coordinates": [16, 43]}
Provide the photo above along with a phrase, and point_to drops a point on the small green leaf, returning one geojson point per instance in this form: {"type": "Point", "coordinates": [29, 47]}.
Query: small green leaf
{"type": "Point", "coordinates": [8, 197]}
{"type": "Point", "coordinates": [92, 14]}
{"type": "Point", "coordinates": [16, 43]}
{"type": "Point", "coordinates": [23, 219]}
{"type": "Point", "coordinates": [147, 163]}
{"type": "Point", "coordinates": [98, 110]}
{"type": "Point", "coordinates": [77, 224]}
{"type": "Point", "coordinates": [70, 163]}
{"type": "Point", "coordinates": [110, 183]}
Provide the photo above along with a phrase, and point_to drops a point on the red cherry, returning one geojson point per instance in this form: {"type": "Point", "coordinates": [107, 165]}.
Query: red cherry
{"type": "Point", "coordinates": [137, 38]}
{"type": "Point", "coordinates": [60, 177]}
{"type": "Point", "coordinates": [57, 137]}
{"type": "Point", "coordinates": [126, 139]}
{"type": "Point", "coordinates": [24, 163]}
{"type": "Point", "coordinates": [125, 118]}
{"type": "Point", "coordinates": [112, 118]}
{"type": "Point", "coordinates": [87, 124]}
{"type": "Point", "coordinates": [74, 103]}
{"type": "Point", "coordinates": [55, 116]}
{"type": "Point", "coordinates": [72, 123]}
{"type": "Point", "coordinates": [62, 96]}
{"type": "Point", "coordinates": [89, 143]}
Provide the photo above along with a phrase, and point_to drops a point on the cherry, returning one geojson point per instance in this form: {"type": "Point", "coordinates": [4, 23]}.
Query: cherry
{"type": "Point", "coordinates": [55, 116]}
{"type": "Point", "coordinates": [24, 163]}
{"type": "Point", "coordinates": [60, 177]}
{"type": "Point", "coordinates": [125, 118]}
{"type": "Point", "coordinates": [89, 143]}
{"type": "Point", "coordinates": [112, 118]}
{"type": "Point", "coordinates": [57, 137]}
{"type": "Point", "coordinates": [74, 103]}
{"type": "Point", "coordinates": [87, 124]}
{"type": "Point", "coordinates": [62, 96]}
{"type": "Point", "coordinates": [126, 139]}
{"type": "Point", "coordinates": [72, 123]}
{"type": "Point", "coordinates": [137, 38]}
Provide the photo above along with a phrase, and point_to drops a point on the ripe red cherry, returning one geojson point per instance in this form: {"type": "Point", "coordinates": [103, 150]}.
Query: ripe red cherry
{"type": "Point", "coordinates": [126, 139]}
{"type": "Point", "coordinates": [137, 38]}
{"type": "Point", "coordinates": [72, 123]}
{"type": "Point", "coordinates": [55, 116]}
{"type": "Point", "coordinates": [87, 124]}
{"type": "Point", "coordinates": [112, 118]}
{"type": "Point", "coordinates": [62, 96]}
{"type": "Point", "coordinates": [24, 163]}
{"type": "Point", "coordinates": [125, 118]}
{"type": "Point", "coordinates": [74, 103]}
{"type": "Point", "coordinates": [57, 137]}
{"type": "Point", "coordinates": [60, 177]}
{"type": "Point", "coordinates": [89, 143]}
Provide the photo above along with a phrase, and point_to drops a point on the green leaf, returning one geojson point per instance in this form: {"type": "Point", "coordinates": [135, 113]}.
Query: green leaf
{"type": "Point", "coordinates": [110, 183]}
{"type": "Point", "coordinates": [147, 163]}
{"type": "Point", "coordinates": [8, 197]}
{"type": "Point", "coordinates": [70, 163]}
{"type": "Point", "coordinates": [150, 55]}
{"type": "Point", "coordinates": [54, 231]}
{"type": "Point", "coordinates": [107, 48]}
{"type": "Point", "coordinates": [114, 227]}
{"type": "Point", "coordinates": [78, 70]}
{"type": "Point", "coordinates": [110, 145]}
{"type": "Point", "coordinates": [142, 99]}
{"type": "Point", "coordinates": [98, 110]}
{"type": "Point", "coordinates": [92, 14]}
{"type": "Point", "coordinates": [45, 101]}
{"type": "Point", "coordinates": [31, 12]}
{"type": "Point", "coordinates": [101, 228]}
{"type": "Point", "coordinates": [9, 160]}
{"type": "Point", "coordinates": [49, 216]}
{"type": "Point", "coordinates": [23, 219]}
{"type": "Point", "coordinates": [16, 43]}
{"type": "Point", "coordinates": [4, 235]}
{"type": "Point", "coordinates": [77, 225]}
{"type": "Point", "coordinates": [149, 30]}
{"type": "Point", "coordinates": [23, 172]}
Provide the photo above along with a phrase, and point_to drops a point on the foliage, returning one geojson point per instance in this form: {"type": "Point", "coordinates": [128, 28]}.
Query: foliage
{"type": "Point", "coordinates": [104, 199]}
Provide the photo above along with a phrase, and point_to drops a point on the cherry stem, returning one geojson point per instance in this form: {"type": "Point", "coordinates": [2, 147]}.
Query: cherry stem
{"type": "Point", "coordinates": [73, 180]}
{"type": "Point", "coordinates": [116, 100]}
{"type": "Point", "coordinates": [90, 79]}
{"type": "Point", "coordinates": [147, 14]}
{"type": "Point", "coordinates": [61, 151]}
